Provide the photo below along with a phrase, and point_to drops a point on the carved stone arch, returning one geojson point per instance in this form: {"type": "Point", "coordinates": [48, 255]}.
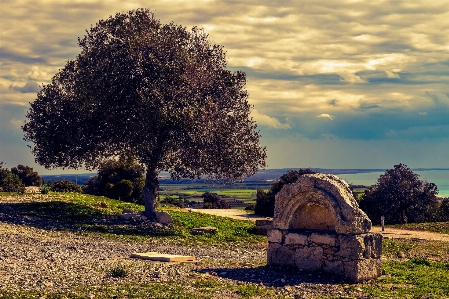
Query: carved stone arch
{"type": "Point", "coordinates": [319, 202]}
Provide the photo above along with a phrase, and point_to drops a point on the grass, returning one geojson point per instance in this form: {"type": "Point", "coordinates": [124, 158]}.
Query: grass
{"type": "Point", "coordinates": [238, 194]}
{"type": "Point", "coordinates": [412, 268]}
{"type": "Point", "coordinates": [414, 278]}
{"type": "Point", "coordinates": [93, 214]}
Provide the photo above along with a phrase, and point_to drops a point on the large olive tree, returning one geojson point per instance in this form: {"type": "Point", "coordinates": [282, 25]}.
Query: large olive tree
{"type": "Point", "coordinates": [156, 91]}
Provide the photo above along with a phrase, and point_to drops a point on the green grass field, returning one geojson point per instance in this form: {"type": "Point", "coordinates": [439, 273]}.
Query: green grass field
{"type": "Point", "coordinates": [177, 191]}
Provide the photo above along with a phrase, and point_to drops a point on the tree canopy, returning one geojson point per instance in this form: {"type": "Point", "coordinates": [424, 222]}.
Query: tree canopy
{"type": "Point", "coordinates": [158, 92]}
{"type": "Point", "coordinates": [401, 197]}
{"type": "Point", "coordinates": [27, 175]}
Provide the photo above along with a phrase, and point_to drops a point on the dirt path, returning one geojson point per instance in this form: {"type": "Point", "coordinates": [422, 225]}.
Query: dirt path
{"type": "Point", "coordinates": [388, 233]}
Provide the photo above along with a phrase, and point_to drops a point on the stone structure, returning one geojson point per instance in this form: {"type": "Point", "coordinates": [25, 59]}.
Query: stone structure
{"type": "Point", "coordinates": [318, 226]}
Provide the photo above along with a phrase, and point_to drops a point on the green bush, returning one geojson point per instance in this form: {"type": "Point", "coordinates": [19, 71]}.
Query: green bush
{"type": "Point", "coordinates": [169, 200]}
{"type": "Point", "coordinates": [214, 201]}
{"type": "Point", "coordinates": [10, 182]}
{"type": "Point", "coordinates": [45, 189]}
{"type": "Point", "coordinates": [65, 186]}
{"type": "Point", "coordinates": [122, 190]}
{"type": "Point", "coordinates": [114, 178]}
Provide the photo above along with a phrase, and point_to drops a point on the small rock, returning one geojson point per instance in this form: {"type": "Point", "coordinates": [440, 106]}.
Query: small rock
{"type": "Point", "coordinates": [204, 230]}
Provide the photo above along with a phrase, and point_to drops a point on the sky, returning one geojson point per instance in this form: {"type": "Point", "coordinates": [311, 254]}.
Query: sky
{"type": "Point", "coordinates": [334, 84]}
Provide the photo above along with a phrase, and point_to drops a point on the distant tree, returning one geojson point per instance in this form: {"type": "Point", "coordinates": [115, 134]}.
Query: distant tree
{"type": "Point", "coordinates": [159, 92]}
{"type": "Point", "coordinates": [65, 186]}
{"type": "Point", "coordinates": [27, 175]}
{"type": "Point", "coordinates": [401, 197]}
{"type": "Point", "coordinates": [214, 201]}
{"type": "Point", "coordinates": [443, 210]}
{"type": "Point", "coordinates": [178, 202]}
{"type": "Point", "coordinates": [265, 200]}
{"type": "Point", "coordinates": [9, 182]}
{"type": "Point", "coordinates": [121, 178]}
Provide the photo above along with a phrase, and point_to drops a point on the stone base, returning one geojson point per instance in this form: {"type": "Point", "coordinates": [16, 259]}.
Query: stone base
{"type": "Point", "coordinates": [355, 257]}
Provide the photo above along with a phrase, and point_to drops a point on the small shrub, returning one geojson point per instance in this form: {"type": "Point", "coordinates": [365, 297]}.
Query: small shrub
{"type": "Point", "coordinates": [250, 207]}
{"type": "Point", "coordinates": [44, 189]}
{"type": "Point", "coordinates": [119, 272]}
{"type": "Point", "coordinates": [420, 261]}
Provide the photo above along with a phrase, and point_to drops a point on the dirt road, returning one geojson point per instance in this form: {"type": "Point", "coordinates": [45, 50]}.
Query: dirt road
{"type": "Point", "coordinates": [388, 233]}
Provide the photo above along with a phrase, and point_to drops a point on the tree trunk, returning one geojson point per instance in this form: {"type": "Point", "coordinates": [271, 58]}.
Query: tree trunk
{"type": "Point", "coordinates": [149, 193]}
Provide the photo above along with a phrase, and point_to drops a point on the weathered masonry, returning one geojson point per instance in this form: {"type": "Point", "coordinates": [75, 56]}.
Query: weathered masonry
{"type": "Point", "coordinates": [318, 226]}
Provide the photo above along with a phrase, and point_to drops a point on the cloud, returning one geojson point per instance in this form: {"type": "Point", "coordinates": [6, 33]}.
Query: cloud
{"type": "Point", "coordinates": [368, 106]}
{"type": "Point", "coordinates": [372, 68]}
{"type": "Point", "coordinates": [325, 115]}
{"type": "Point", "coordinates": [268, 121]}
{"type": "Point", "coordinates": [333, 102]}
{"type": "Point", "coordinates": [28, 87]}
{"type": "Point", "coordinates": [392, 75]}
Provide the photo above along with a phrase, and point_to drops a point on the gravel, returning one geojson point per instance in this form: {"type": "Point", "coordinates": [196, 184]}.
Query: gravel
{"type": "Point", "coordinates": [44, 260]}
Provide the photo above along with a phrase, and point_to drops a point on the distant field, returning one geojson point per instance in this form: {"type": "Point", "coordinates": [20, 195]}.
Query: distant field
{"type": "Point", "coordinates": [245, 195]}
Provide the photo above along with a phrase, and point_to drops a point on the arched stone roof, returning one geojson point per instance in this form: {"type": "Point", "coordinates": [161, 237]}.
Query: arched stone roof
{"type": "Point", "coordinates": [319, 202]}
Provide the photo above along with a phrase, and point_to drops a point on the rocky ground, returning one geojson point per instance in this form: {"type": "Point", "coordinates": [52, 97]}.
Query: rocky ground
{"type": "Point", "coordinates": [49, 261]}
{"type": "Point", "coordinates": [42, 259]}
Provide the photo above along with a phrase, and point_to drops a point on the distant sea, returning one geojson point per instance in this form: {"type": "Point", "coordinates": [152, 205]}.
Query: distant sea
{"type": "Point", "coordinates": [438, 177]}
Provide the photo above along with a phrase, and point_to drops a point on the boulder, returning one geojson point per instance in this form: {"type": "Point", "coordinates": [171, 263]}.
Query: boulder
{"type": "Point", "coordinates": [163, 217]}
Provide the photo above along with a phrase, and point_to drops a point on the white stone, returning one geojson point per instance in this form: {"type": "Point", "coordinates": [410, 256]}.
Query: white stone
{"type": "Point", "coordinates": [274, 236]}
{"type": "Point", "coordinates": [297, 239]}
{"type": "Point", "coordinates": [323, 239]}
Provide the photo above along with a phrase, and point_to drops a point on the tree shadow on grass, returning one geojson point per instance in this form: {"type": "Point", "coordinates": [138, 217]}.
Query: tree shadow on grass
{"type": "Point", "coordinates": [58, 215]}
{"type": "Point", "coordinates": [274, 276]}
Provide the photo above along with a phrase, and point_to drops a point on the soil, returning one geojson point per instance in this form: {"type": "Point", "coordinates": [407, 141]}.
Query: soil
{"type": "Point", "coordinates": [387, 233]}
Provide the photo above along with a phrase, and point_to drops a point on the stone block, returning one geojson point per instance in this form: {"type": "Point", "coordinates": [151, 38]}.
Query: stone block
{"type": "Point", "coordinates": [262, 226]}
{"type": "Point", "coordinates": [309, 258]}
{"type": "Point", "coordinates": [361, 270]}
{"type": "Point", "coordinates": [161, 257]}
{"type": "Point", "coordinates": [351, 247]}
{"type": "Point", "coordinates": [335, 267]}
{"type": "Point", "coordinates": [274, 236]}
{"type": "Point", "coordinates": [279, 255]}
{"type": "Point", "coordinates": [295, 239]}
{"type": "Point", "coordinates": [323, 239]}
{"type": "Point", "coordinates": [373, 245]}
